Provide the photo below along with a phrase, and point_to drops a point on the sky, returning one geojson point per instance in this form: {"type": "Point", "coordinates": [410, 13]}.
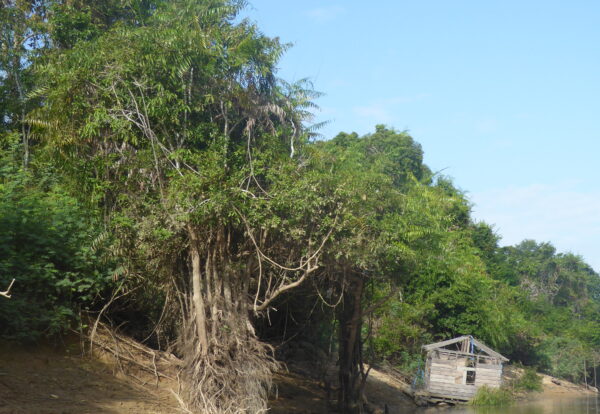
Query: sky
{"type": "Point", "coordinates": [503, 96]}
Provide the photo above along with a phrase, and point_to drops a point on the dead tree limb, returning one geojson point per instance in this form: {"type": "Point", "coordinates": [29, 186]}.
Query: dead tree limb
{"type": "Point", "coordinates": [6, 293]}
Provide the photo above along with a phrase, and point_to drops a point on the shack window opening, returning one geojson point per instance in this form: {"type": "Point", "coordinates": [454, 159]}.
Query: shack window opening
{"type": "Point", "coordinates": [470, 377]}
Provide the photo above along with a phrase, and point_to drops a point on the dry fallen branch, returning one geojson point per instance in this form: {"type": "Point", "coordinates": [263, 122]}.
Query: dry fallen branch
{"type": "Point", "coordinates": [6, 293]}
{"type": "Point", "coordinates": [156, 363]}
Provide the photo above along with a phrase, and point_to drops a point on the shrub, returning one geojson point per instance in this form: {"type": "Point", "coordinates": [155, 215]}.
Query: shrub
{"type": "Point", "coordinates": [529, 381]}
{"type": "Point", "coordinates": [492, 396]}
{"type": "Point", "coordinates": [47, 245]}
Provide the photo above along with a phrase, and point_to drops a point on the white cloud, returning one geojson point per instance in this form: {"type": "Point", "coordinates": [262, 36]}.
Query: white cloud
{"type": "Point", "coordinates": [406, 99]}
{"type": "Point", "coordinates": [325, 14]}
{"type": "Point", "coordinates": [381, 110]}
{"type": "Point", "coordinates": [562, 214]}
{"type": "Point", "coordinates": [376, 113]}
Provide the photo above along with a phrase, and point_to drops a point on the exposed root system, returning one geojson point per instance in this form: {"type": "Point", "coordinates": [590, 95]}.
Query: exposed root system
{"type": "Point", "coordinates": [235, 376]}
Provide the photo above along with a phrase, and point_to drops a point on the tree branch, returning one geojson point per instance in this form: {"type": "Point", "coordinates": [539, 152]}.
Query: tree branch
{"type": "Point", "coordinates": [309, 269]}
{"type": "Point", "coordinates": [6, 293]}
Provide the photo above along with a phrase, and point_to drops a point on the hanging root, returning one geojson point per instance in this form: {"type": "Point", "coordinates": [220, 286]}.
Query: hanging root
{"type": "Point", "coordinates": [234, 376]}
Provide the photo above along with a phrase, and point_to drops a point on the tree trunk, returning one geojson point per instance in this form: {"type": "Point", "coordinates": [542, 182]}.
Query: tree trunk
{"type": "Point", "coordinates": [350, 398]}
{"type": "Point", "coordinates": [17, 70]}
{"type": "Point", "coordinates": [197, 294]}
{"type": "Point", "coordinates": [227, 370]}
{"type": "Point", "coordinates": [595, 373]}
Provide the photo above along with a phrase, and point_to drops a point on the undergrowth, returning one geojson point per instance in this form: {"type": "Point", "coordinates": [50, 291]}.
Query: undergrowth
{"type": "Point", "coordinates": [529, 381]}
{"type": "Point", "coordinates": [492, 396]}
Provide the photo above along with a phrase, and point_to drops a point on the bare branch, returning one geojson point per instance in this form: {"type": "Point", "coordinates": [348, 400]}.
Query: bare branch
{"type": "Point", "coordinates": [334, 305]}
{"type": "Point", "coordinates": [6, 293]}
{"type": "Point", "coordinates": [308, 266]}
{"type": "Point", "coordinates": [285, 287]}
{"type": "Point", "coordinates": [274, 263]}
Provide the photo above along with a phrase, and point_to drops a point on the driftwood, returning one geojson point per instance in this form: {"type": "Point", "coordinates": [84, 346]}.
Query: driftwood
{"type": "Point", "coordinates": [6, 293]}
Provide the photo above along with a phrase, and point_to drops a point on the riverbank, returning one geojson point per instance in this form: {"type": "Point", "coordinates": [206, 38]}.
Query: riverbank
{"type": "Point", "coordinates": [552, 387]}
{"type": "Point", "coordinates": [61, 379]}
{"type": "Point", "coordinates": [299, 393]}
{"type": "Point", "coordinates": [50, 379]}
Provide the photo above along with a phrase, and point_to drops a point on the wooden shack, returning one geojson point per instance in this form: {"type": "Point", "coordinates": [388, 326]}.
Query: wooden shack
{"type": "Point", "coordinates": [457, 367]}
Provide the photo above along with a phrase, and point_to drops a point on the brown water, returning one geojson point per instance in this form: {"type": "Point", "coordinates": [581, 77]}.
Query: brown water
{"type": "Point", "coordinates": [585, 405]}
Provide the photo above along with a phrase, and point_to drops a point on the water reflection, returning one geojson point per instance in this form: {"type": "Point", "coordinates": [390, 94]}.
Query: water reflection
{"type": "Point", "coordinates": [546, 406]}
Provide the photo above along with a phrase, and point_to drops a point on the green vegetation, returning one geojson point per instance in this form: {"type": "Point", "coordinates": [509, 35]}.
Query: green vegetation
{"type": "Point", "coordinates": [487, 396]}
{"type": "Point", "coordinates": [51, 245]}
{"type": "Point", "coordinates": [529, 381]}
{"type": "Point", "coordinates": [153, 165]}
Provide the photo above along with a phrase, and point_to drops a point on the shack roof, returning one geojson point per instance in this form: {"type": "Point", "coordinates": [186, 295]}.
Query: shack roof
{"type": "Point", "coordinates": [476, 343]}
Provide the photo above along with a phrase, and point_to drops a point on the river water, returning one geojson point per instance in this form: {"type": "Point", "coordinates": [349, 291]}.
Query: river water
{"type": "Point", "coordinates": [546, 406]}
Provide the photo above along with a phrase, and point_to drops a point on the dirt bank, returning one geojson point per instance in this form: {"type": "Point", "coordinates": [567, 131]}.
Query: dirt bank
{"type": "Point", "coordinates": [54, 380]}
{"type": "Point", "coordinates": [48, 379]}
{"type": "Point", "coordinates": [551, 387]}
{"type": "Point", "coordinates": [300, 394]}
{"type": "Point", "coordinates": [554, 387]}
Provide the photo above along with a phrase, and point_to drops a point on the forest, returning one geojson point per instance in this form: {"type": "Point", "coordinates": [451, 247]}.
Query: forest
{"type": "Point", "coordinates": [156, 172]}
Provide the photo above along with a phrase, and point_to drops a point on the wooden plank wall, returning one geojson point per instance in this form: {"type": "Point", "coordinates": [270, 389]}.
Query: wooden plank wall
{"type": "Point", "coordinates": [452, 390]}
{"type": "Point", "coordinates": [490, 375]}
{"type": "Point", "coordinates": [446, 379]}
{"type": "Point", "coordinates": [446, 376]}
{"type": "Point", "coordinates": [444, 371]}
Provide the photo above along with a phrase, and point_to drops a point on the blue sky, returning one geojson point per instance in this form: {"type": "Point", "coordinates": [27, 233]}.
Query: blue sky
{"type": "Point", "coordinates": [502, 95]}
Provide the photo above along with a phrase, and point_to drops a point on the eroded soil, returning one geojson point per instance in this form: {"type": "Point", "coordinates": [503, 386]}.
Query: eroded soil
{"type": "Point", "coordinates": [50, 380]}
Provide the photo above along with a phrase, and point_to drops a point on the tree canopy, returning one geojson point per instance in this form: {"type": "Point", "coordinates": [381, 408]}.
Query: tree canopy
{"type": "Point", "coordinates": [155, 170]}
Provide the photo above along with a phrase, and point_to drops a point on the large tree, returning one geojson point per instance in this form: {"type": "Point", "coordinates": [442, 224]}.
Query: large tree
{"type": "Point", "coordinates": [177, 127]}
{"type": "Point", "coordinates": [387, 214]}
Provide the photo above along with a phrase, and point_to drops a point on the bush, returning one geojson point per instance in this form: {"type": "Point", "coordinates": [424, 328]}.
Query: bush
{"type": "Point", "coordinates": [47, 245]}
{"type": "Point", "coordinates": [529, 381]}
{"type": "Point", "coordinates": [564, 356]}
{"type": "Point", "coordinates": [492, 396]}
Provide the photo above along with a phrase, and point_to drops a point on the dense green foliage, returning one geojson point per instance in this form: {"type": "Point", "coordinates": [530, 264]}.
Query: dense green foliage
{"type": "Point", "coordinates": [534, 305]}
{"type": "Point", "coordinates": [151, 143]}
{"type": "Point", "coordinates": [177, 128]}
{"type": "Point", "coordinates": [49, 244]}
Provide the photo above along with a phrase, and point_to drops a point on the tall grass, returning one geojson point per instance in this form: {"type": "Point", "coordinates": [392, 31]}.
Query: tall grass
{"type": "Point", "coordinates": [492, 396]}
